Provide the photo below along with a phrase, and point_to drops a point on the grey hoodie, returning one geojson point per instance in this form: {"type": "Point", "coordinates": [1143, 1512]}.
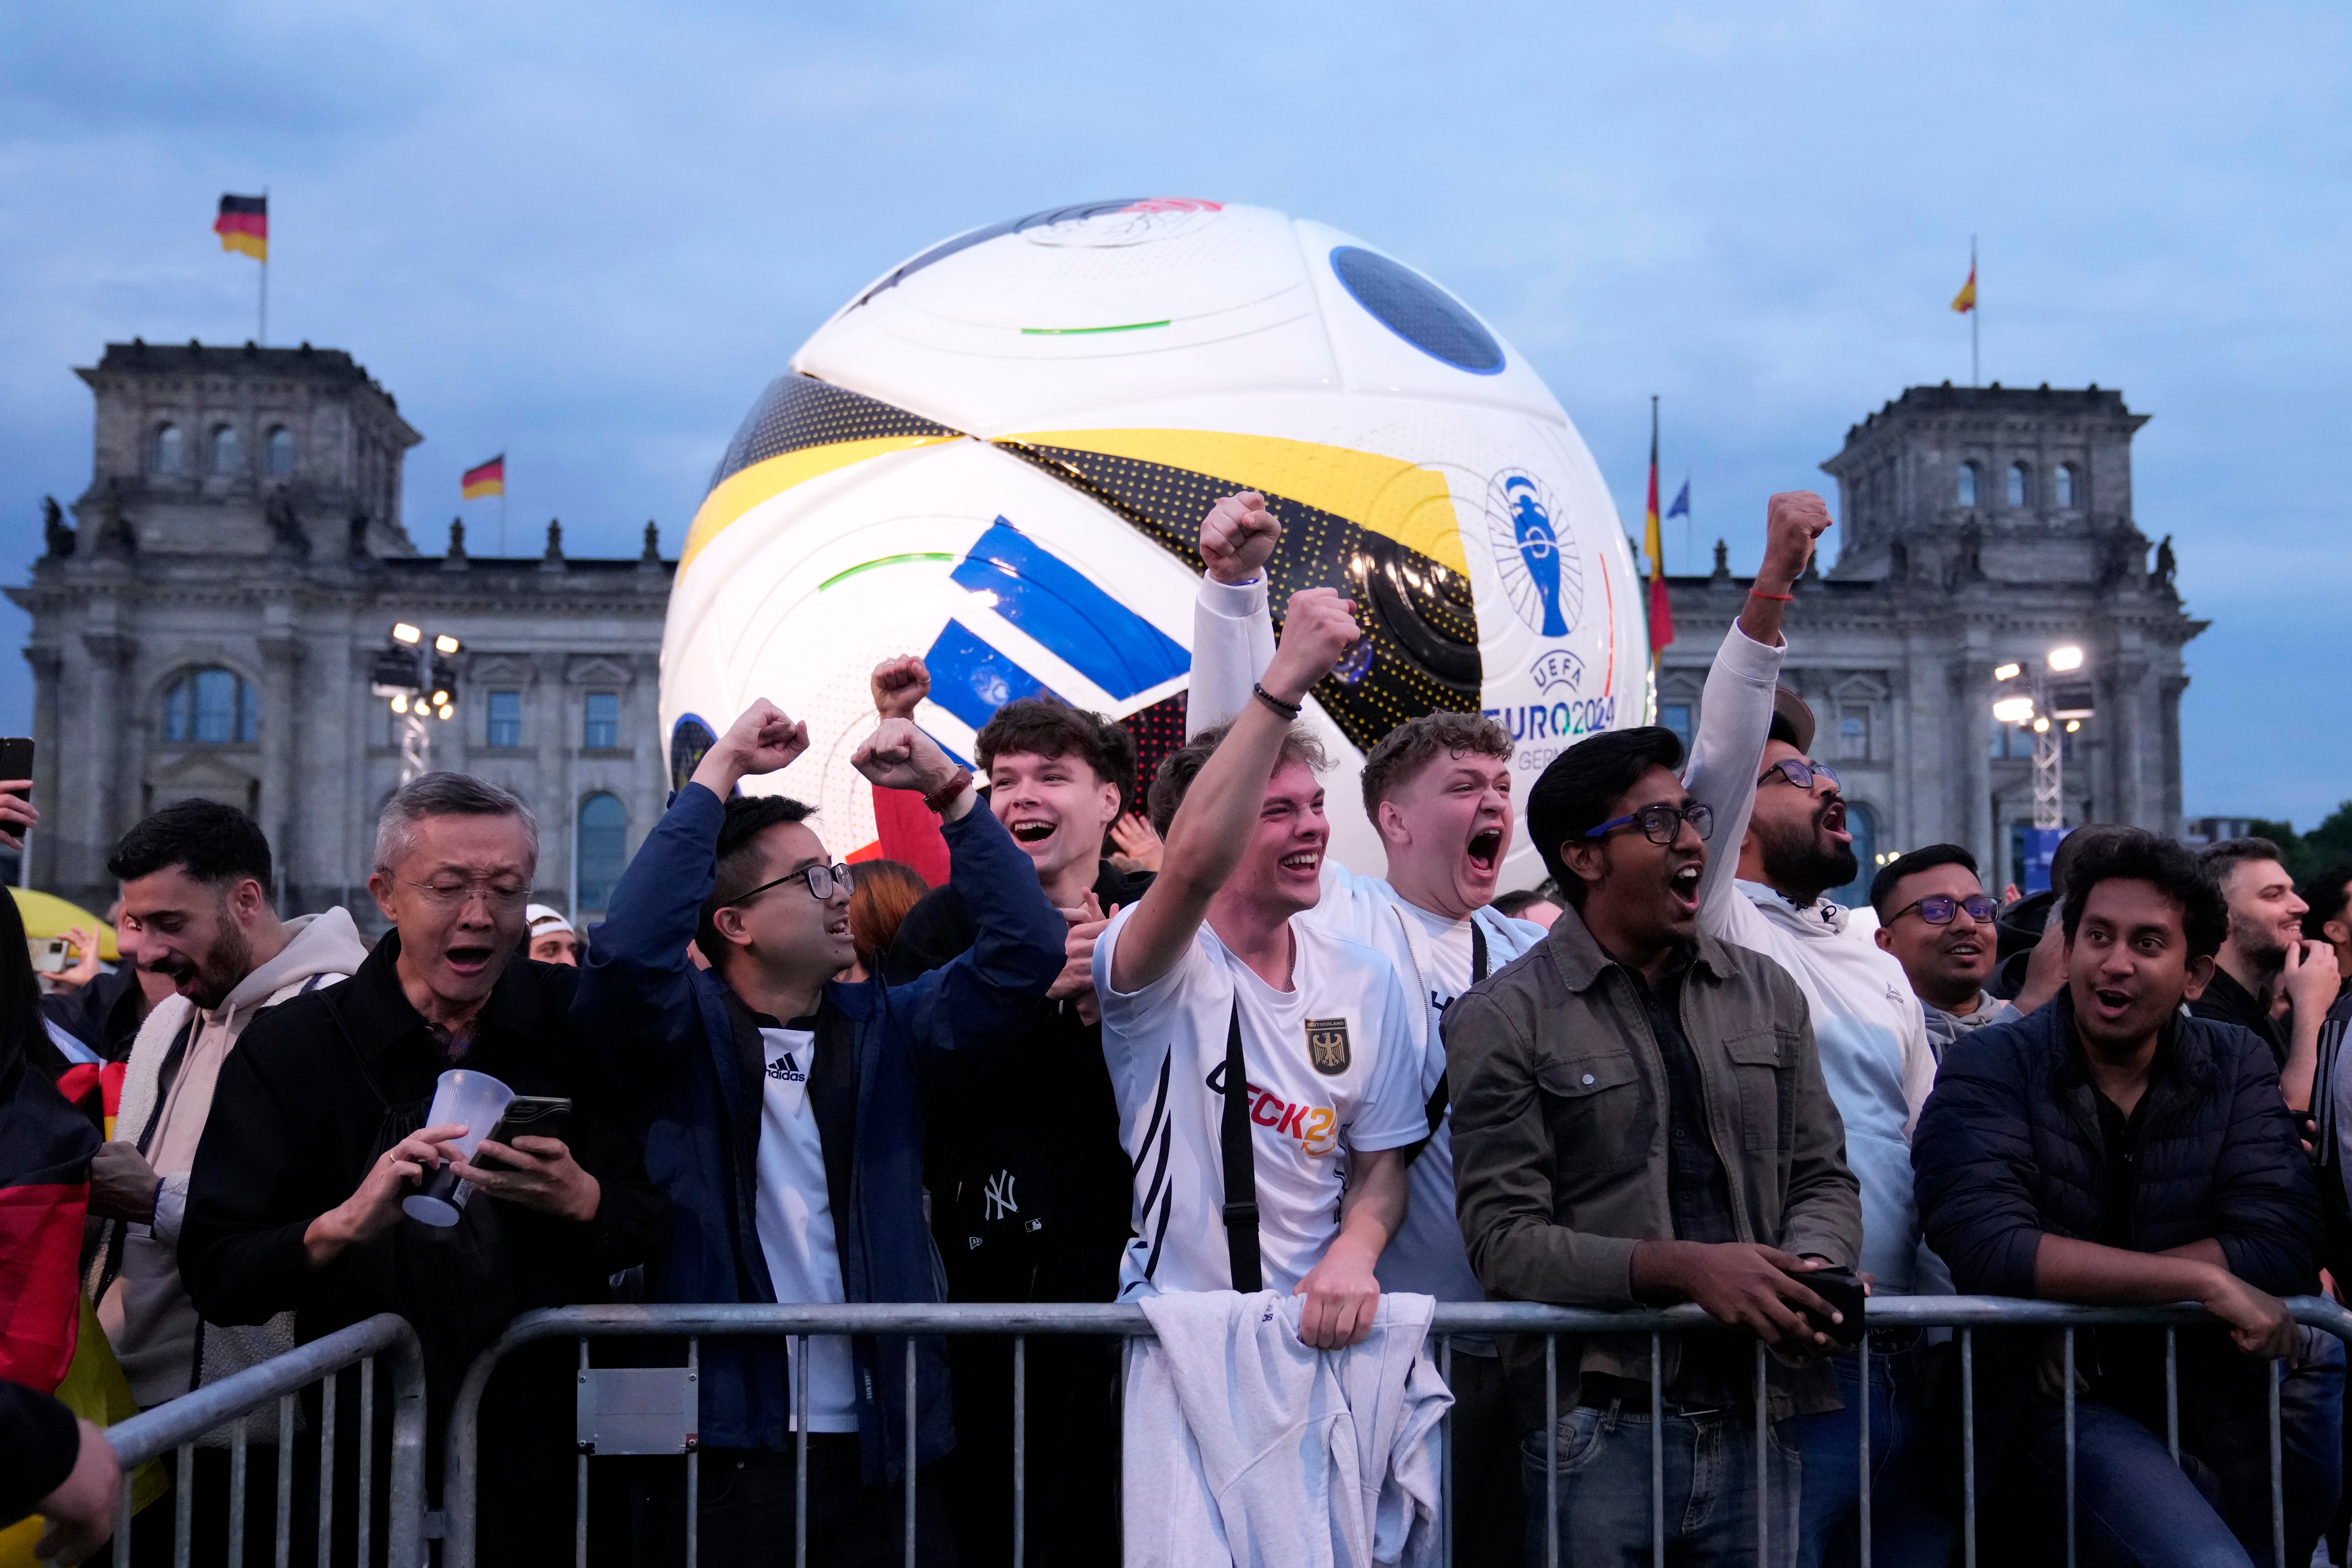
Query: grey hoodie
{"type": "Point", "coordinates": [166, 1098]}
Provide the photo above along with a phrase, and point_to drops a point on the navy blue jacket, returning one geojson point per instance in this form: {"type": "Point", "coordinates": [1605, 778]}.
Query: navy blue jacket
{"type": "Point", "coordinates": [672, 1035]}
{"type": "Point", "coordinates": [2009, 1149]}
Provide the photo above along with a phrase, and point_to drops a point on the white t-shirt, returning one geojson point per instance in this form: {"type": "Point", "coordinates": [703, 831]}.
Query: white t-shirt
{"type": "Point", "coordinates": [1334, 1066]}
{"type": "Point", "coordinates": [795, 1218]}
{"type": "Point", "coordinates": [1427, 1254]}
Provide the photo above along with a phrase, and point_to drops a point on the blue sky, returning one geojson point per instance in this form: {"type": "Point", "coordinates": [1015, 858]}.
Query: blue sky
{"type": "Point", "coordinates": [587, 234]}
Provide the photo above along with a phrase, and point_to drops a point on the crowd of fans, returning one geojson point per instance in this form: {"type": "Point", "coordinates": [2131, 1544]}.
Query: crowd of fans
{"type": "Point", "coordinates": [1076, 1045]}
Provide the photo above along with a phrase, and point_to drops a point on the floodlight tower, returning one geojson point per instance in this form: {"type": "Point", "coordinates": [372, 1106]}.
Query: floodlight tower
{"type": "Point", "coordinates": [2047, 705]}
{"type": "Point", "coordinates": [421, 683]}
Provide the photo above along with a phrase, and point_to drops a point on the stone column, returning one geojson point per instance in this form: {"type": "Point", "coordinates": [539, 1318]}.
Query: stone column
{"type": "Point", "coordinates": [554, 729]}
{"type": "Point", "coordinates": [43, 844]}
{"type": "Point", "coordinates": [281, 658]}
{"type": "Point", "coordinates": [1972, 695]}
{"type": "Point", "coordinates": [104, 811]}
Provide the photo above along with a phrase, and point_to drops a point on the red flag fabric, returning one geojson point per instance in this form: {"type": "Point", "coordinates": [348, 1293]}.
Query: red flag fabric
{"type": "Point", "coordinates": [1662, 615]}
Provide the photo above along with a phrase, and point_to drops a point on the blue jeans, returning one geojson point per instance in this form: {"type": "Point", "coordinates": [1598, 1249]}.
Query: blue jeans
{"type": "Point", "coordinates": [1603, 1475]}
{"type": "Point", "coordinates": [1904, 1531]}
{"type": "Point", "coordinates": [2134, 1507]}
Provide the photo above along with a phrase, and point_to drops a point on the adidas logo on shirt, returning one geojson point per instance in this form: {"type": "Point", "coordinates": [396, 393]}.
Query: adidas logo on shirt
{"type": "Point", "coordinates": [786, 1070]}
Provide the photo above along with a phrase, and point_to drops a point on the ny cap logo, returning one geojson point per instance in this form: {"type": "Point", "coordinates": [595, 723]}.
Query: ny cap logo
{"type": "Point", "coordinates": [1327, 1045]}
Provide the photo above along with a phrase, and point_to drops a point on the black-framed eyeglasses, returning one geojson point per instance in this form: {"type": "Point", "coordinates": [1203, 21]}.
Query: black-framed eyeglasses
{"type": "Point", "coordinates": [1801, 772]}
{"type": "Point", "coordinates": [1661, 822]}
{"type": "Point", "coordinates": [821, 880]}
{"type": "Point", "coordinates": [1938, 911]}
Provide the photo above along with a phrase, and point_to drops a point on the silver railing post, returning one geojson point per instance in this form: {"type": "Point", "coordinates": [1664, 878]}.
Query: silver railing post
{"type": "Point", "coordinates": [911, 1451]}
{"type": "Point", "coordinates": [1444, 1460]}
{"type": "Point", "coordinates": [1020, 1447]}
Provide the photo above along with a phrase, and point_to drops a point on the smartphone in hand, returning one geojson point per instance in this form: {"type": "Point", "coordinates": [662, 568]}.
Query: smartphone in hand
{"type": "Point", "coordinates": [528, 1116]}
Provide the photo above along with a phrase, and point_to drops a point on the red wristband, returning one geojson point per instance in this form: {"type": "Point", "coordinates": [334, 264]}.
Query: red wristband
{"type": "Point", "coordinates": [940, 799]}
{"type": "Point", "coordinates": [1760, 594]}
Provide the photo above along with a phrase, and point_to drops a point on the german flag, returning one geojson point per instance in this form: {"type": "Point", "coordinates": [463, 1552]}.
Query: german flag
{"type": "Point", "coordinates": [244, 225]}
{"type": "Point", "coordinates": [488, 479]}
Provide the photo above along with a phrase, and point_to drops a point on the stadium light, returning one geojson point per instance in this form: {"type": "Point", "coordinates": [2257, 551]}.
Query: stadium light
{"type": "Point", "coordinates": [2013, 710]}
{"type": "Point", "coordinates": [446, 644]}
{"type": "Point", "coordinates": [2063, 659]}
{"type": "Point", "coordinates": [2008, 671]}
{"type": "Point", "coordinates": [402, 632]}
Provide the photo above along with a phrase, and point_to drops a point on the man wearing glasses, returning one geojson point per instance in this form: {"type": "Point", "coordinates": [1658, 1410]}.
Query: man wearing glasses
{"type": "Point", "coordinates": [1781, 845]}
{"type": "Point", "coordinates": [1934, 917]}
{"type": "Point", "coordinates": [1639, 1119]}
{"type": "Point", "coordinates": [782, 1112]}
{"type": "Point", "coordinates": [318, 1132]}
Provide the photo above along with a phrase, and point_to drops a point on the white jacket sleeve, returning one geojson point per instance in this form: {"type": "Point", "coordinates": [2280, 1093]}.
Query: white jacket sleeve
{"type": "Point", "coordinates": [1735, 718]}
{"type": "Point", "coordinates": [1233, 642]}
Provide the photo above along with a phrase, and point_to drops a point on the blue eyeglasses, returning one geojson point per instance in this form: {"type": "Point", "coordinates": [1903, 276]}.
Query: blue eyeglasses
{"type": "Point", "coordinates": [1661, 823]}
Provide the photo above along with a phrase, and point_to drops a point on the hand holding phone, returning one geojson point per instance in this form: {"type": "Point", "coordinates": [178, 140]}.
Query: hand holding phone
{"type": "Point", "coordinates": [1842, 1289]}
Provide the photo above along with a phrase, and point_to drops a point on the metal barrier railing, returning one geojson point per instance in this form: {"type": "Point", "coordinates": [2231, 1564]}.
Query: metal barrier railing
{"type": "Point", "coordinates": [176, 1425]}
{"type": "Point", "coordinates": [1964, 1314]}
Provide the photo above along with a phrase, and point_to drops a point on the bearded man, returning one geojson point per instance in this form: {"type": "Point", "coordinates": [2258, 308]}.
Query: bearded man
{"type": "Point", "coordinates": [1788, 816]}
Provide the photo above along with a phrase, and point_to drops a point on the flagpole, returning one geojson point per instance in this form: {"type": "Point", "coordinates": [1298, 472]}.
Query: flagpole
{"type": "Point", "coordinates": [261, 338]}
{"type": "Point", "coordinates": [1976, 316]}
{"type": "Point", "coordinates": [502, 501]}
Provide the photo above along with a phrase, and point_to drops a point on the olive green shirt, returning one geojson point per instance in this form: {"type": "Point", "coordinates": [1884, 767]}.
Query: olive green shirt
{"type": "Point", "coordinates": [1560, 1133]}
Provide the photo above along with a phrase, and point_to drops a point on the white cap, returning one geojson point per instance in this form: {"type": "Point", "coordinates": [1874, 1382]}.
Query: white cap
{"type": "Point", "coordinates": [543, 919]}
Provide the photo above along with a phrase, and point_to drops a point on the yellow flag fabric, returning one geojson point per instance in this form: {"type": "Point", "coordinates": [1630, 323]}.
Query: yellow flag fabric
{"type": "Point", "coordinates": [94, 1389]}
{"type": "Point", "coordinates": [1966, 300]}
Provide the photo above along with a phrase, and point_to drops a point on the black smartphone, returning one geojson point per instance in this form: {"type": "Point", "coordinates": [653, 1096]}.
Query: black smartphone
{"type": "Point", "coordinates": [17, 761]}
{"type": "Point", "coordinates": [530, 1116]}
{"type": "Point", "coordinates": [1842, 1289]}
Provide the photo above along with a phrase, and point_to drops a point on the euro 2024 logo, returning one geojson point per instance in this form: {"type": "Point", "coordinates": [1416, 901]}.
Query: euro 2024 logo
{"type": "Point", "coordinates": [1535, 553]}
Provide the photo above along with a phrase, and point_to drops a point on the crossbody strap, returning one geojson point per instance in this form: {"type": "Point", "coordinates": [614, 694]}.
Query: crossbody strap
{"type": "Point", "coordinates": [1440, 1096]}
{"type": "Point", "coordinates": [1240, 1162]}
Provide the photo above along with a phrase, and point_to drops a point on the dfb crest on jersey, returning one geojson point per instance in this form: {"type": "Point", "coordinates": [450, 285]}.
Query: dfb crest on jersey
{"type": "Point", "coordinates": [1327, 1045]}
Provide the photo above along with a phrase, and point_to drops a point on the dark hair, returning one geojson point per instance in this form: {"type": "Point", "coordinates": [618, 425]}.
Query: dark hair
{"type": "Point", "coordinates": [20, 997]}
{"type": "Point", "coordinates": [737, 857]}
{"type": "Point", "coordinates": [1582, 786]}
{"type": "Point", "coordinates": [2327, 894]}
{"type": "Point", "coordinates": [209, 841]}
{"type": "Point", "coordinates": [2136, 855]}
{"type": "Point", "coordinates": [2220, 860]}
{"type": "Point", "coordinates": [1180, 767]}
{"type": "Point", "coordinates": [1882, 887]}
{"type": "Point", "coordinates": [1403, 751]}
{"type": "Point", "coordinates": [1049, 727]}
{"type": "Point", "coordinates": [1513, 903]}
{"type": "Point", "coordinates": [886, 890]}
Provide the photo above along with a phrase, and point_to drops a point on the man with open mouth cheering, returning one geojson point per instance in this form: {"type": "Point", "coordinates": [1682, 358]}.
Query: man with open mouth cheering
{"type": "Point", "coordinates": [1438, 789]}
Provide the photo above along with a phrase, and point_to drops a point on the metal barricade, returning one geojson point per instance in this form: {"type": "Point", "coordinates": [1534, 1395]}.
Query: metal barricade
{"type": "Point", "coordinates": [1965, 1315]}
{"type": "Point", "coordinates": [178, 1424]}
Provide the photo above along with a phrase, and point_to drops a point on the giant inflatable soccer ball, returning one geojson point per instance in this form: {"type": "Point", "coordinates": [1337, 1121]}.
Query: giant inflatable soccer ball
{"type": "Point", "coordinates": [998, 457]}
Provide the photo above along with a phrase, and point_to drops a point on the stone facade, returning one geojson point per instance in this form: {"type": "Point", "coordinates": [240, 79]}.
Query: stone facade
{"type": "Point", "coordinates": [206, 625]}
{"type": "Point", "coordinates": [1977, 526]}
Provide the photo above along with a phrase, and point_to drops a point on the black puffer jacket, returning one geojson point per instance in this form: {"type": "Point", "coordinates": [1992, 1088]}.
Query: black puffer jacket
{"type": "Point", "coordinates": [2009, 1149]}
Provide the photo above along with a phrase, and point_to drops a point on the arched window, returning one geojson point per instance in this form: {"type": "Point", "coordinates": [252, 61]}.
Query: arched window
{"type": "Point", "coordinates": [2062, 486]}
{"type": "Point", "coordinates": [601, 851]}
{"type": "Point", "coordinates": [2020, 484]}
{"type": "Point", "coordinates": [277, 454]}
{"type": "Point", "coordinates": [171, 452]}
{"type": "Point", "coordinates": [224, 455]}
{"type": "Point", "coordinates": [1968, 491]}
{"type": "Point", "coordinates": [1863, 822]}
{"type": "Point", "coordinates": [212, 707]}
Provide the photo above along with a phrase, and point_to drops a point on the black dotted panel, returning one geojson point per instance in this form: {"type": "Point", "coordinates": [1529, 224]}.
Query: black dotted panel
{"type": "Point", "coordinates": [1422, 632]}
{"type": "Point", "coordinates": [1156, 731]}
{"type": "Point", "coordinates": [798, 412]}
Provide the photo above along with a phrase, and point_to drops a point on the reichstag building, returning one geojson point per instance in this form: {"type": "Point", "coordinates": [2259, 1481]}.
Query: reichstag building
{"type": "Point", "coordinates": [205, 623]}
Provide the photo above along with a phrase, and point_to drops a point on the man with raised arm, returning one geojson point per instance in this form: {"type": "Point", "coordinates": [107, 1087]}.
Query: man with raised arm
{"type": "Point", "coordinates": [782, 1110]}
{"type": "Point", "coordinates": [1212, 965]}
{"type": "Point", "coordinates": [1780, 846]}
{"type": "Point", "coordinates": [1438, 792]}
{"type": "Point", "coordinates": [2109, 1150]}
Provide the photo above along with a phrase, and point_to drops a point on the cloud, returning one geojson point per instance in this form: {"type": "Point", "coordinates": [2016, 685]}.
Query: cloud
{"type": "Point", "coordinates": [588, 234]}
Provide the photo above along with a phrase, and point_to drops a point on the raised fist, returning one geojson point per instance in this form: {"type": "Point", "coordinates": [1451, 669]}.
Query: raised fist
{"type": "Point", "coordinates": [898, 755]}
{"type": "Point", "coordinates": [764, 739]}
{"type": "Point", "coordinates": [1792, 521]}
{"type": "Point", "coordinates": [1316, 632]}
{"type": "Point", "coordinates": [898, 685]}
{"type": "Point", "coordinates": [1237, 536]}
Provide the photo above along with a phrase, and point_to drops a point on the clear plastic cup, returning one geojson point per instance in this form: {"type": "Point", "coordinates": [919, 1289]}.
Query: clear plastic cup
{"type": "Point", "coordinates": [476, 1101]}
